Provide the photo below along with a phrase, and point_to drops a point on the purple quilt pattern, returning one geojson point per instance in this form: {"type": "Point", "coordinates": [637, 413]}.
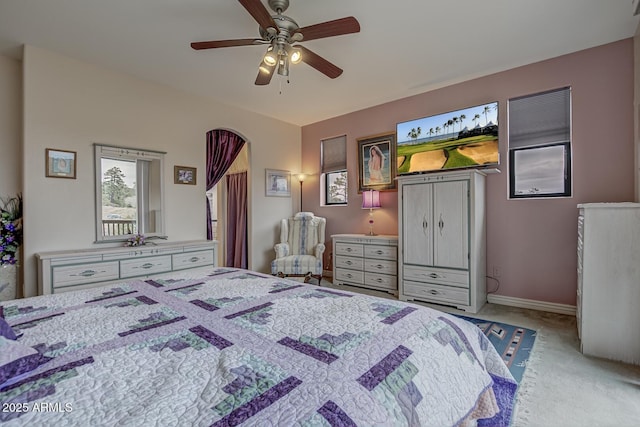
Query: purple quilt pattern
{"type": "Point", "coordinates": [236, 347]}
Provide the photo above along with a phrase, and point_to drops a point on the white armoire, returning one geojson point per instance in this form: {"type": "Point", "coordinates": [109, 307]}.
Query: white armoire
{"type": "Point", "coordinates": [608, 300]}
{"type": "Point", "coordinates": [441, 239]}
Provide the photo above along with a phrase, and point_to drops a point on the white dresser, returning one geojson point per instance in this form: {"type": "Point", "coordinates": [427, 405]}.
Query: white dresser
{"type": "Point", "coordinates": [608, 299]}
{"type": "Point", "coordinates": [366, 261]}
{"type": "Point", "coordinates": [62, 271]}
{"type": "Point", "coordinates": [441, 221]}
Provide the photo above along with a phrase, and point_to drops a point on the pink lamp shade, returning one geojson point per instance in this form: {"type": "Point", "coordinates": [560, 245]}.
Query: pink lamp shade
{"type": "Point", "coordinates": [371, 199]}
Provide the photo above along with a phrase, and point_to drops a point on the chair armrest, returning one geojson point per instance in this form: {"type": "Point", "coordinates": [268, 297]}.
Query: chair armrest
{"type": "Point", "coordinates": [282, 250]}
{"type": "Point", "coordinates": [320, 247]}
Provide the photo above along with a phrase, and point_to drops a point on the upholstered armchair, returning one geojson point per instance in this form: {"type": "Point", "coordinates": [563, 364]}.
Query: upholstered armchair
{"type": "Point", "coordinates": [301, 246]}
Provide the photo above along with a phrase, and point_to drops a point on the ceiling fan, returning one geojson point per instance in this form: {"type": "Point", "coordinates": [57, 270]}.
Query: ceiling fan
{"type": "Point", "coordinates": [280, 32]}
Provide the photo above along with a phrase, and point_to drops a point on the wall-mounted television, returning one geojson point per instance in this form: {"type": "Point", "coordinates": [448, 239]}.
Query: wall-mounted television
{"type": "Point", "coordinates": [466, 138]}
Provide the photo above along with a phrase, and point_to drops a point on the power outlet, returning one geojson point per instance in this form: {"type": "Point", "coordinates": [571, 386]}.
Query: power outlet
{"type": "Point", "coordinates": [497, 271]}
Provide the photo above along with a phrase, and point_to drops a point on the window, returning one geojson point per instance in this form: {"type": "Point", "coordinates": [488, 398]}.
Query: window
{"type": "Point", "coordinates": [540, 145]}
{"type": "Point", "coordinates": [129, 193]}
{"type": "Point", "coordinates": [334, 170]}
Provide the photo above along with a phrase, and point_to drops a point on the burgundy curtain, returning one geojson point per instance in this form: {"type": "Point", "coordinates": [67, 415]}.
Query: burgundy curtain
{"type": "Point", "coordinates": [237, 220]}
{"type": "Point", "coordinates": [223, 146]}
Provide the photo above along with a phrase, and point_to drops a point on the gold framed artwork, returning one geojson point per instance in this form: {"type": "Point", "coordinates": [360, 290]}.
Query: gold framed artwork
{"type": "Point", "coordinates": [184, 175]}
{"type": "Point", "coordinates": [377, 162]}
{"type": "Point", "coordinates": [60, 163]}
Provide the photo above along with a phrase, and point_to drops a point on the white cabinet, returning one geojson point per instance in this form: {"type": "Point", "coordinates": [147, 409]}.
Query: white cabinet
{"type": "Point", "coordinates": [441, 221]}
{"type": "Point", "coordinates": [366, 261]}
{"type": "Point", "coordinates": [62, 271]}
{"type": "Point", "coordinates": [608, 299]}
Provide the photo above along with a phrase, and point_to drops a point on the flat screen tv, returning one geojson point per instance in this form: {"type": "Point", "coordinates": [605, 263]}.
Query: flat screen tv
{"type": "Point", "coordinates": [466, 138]}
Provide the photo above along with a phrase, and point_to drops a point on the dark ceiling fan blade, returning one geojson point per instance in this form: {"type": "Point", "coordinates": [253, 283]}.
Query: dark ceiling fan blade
{"type": "Point", "coordinates": [336, 27]}
{"type": "Point", "coordinates": [319, 63]}
{"type": "Point", "coordinates": [224, 43]}
{"type": "Point", "coordinates": [259, 13]}
{"type": "Point", "coordinates": [265, 73]}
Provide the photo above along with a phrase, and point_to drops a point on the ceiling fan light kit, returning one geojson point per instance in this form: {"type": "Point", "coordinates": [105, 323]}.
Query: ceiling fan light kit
{"type": "Point", "coordinates": [280, 32]}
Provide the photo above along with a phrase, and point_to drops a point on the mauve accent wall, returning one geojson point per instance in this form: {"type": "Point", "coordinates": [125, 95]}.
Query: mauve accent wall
{"type": "Point", "coordinates": [531, 242]}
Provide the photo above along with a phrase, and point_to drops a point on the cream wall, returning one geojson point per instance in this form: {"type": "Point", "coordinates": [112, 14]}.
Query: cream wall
{"type": "Point", "coordinates": [10, 125]}
{"type": "Point", "coordinates": [69, 104]}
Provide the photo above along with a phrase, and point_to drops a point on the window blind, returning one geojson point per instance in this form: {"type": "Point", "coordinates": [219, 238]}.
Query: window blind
{"type": "Point", "coordinates": [334, 154]}
{"type": "Point", "coordinates": [540, 119]}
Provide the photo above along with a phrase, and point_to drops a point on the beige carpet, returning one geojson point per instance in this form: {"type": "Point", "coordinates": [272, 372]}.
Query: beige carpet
{"type": "Point", "coordinates": [561, 387]}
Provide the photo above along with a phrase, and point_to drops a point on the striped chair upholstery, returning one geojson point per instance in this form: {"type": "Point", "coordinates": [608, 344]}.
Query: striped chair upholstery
{"type": "Point", "coordinates": [301, 247]}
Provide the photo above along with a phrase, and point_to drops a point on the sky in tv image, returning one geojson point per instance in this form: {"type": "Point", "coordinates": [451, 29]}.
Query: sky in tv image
{"type": "Point", "coordinates": [457, 139]}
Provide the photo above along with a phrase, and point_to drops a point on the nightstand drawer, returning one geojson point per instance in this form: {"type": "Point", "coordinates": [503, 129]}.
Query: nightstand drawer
{"type": "Point", "coordinates": [380, 266]}
{"type": "Point", "coordinates": [144, 266]}
{"type": "Point", "coordinates": [436, 292]}
{"type": "Point", "coordinates": [353, 249]}
{"type": "Point", "coordinates": [192, 259]}
{"type": "Point", "coordinates": [380, 252]}
{"type": "Point", "coordinates": [87, 273]}
{"type": "Point", "coordinates": [443, 276]}
{"type": "Point", "coordinates": [381, 280]}
{"type": "Point", "coordinates": [349, 262]}
{"type": "Point", "coordinates": [349, 275]}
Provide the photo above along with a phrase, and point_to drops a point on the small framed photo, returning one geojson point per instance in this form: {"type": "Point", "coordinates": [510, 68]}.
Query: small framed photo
{"type": "Point", "coordinates": [278, 183]}
{"type": "Point", "coordinates": [184, 175]}
{"type": "Point", "coordinates": [377, 162]}
{"type": "Point", "coordinates": [60, 163]}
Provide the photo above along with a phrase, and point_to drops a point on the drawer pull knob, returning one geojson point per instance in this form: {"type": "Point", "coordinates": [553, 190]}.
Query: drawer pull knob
{"type": "Point", "coordinates": [348, 275]}
{"type": "Point", "coordinates": [147, 265]}
{"type": "Point", "coordinates": [434, 276]}
{"type": "Point", "coordinates": [348, 263]}
{"type": "Point", "coordinates": [379, 252]}
{"type": "Point", "coordinates": [194, 259]}
{"type": "Point", "coordinates": [379, 280]}
{"type": "Point", "coordinates": [349, 249]}
{"type": "Point", "coordinates": [88, 273]}
{"type": "Point", "coordinates": [433, 292]}
{"type": "Point", "coordinates": [379, 266]}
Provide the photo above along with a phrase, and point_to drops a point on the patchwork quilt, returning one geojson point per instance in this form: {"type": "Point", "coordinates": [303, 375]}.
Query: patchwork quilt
{"type": "Point", "coordinates": [227, 347]}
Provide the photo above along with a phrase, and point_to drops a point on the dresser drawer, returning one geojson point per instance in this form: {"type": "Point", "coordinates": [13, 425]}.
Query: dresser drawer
{"type": "Point", "coordinates": [192, 259]}
{"type": "Point", "coordinates": [438, 293]}
{"type": "Point", "coordinates": [143, 266]}
{"type": "Point", "coordinates": [380, 252]}
{"type": "Point", "coordinates": [87, 273]}
{"type": "Point", "coordinates": [385, 281]}
{"type": "Point", "coordinates": [380, 266]}
{"type": "Point", "coordinates": [352, 276]}
{"type": "Point", "coordinates": [349, 262]}
{"type": "Point", "coordinates": [441, 276]}
{"type": "Point", "coordinates": [353, 249]}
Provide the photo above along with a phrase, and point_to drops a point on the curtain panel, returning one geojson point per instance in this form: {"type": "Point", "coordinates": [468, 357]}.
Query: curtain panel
{"type": "Point", "coordinates": [223, 146]}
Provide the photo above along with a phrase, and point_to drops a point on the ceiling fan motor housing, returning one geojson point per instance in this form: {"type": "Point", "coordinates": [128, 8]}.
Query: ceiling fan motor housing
{"type": "Point", "coordinates": [286, 27]}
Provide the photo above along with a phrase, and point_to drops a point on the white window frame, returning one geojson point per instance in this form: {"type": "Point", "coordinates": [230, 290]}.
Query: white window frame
{"type": "Point", "coordinates": [143, 188]}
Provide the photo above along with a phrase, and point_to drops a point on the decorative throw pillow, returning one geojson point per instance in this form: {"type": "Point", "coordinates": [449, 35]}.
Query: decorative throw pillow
{"type": "Point", "coordinates": [17, 359]}
{"type": "Point", "coordinates": [6, 331]}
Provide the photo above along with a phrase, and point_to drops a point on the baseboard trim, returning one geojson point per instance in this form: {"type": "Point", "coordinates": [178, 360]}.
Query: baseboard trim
{"type": "Point", "coordinates": [533, 304]}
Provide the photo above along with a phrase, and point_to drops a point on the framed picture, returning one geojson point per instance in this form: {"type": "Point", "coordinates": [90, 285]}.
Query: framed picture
{"type": "Point", "coordinates": [278, 183]}
{"type": "Point", "coordinates": [60, 163]}
{"type": "Point", "coordinates": [377, 162]}
{"type": "Point", "coordinates": [184, 175]}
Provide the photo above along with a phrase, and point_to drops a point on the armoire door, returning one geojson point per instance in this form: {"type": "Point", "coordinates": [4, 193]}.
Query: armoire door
{"type": "Point", "coordinates": [451, 217]}
{"type": "Point", "coordinates": [417, 224]}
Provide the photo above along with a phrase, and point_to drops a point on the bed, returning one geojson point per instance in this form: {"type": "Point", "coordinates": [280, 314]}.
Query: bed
{"type": "Point", "coordinates": [227, 347]}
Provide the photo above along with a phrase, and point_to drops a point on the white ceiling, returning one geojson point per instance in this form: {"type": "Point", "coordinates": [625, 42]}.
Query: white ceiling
{"type": "Point", "coordinates": [405, 47]}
